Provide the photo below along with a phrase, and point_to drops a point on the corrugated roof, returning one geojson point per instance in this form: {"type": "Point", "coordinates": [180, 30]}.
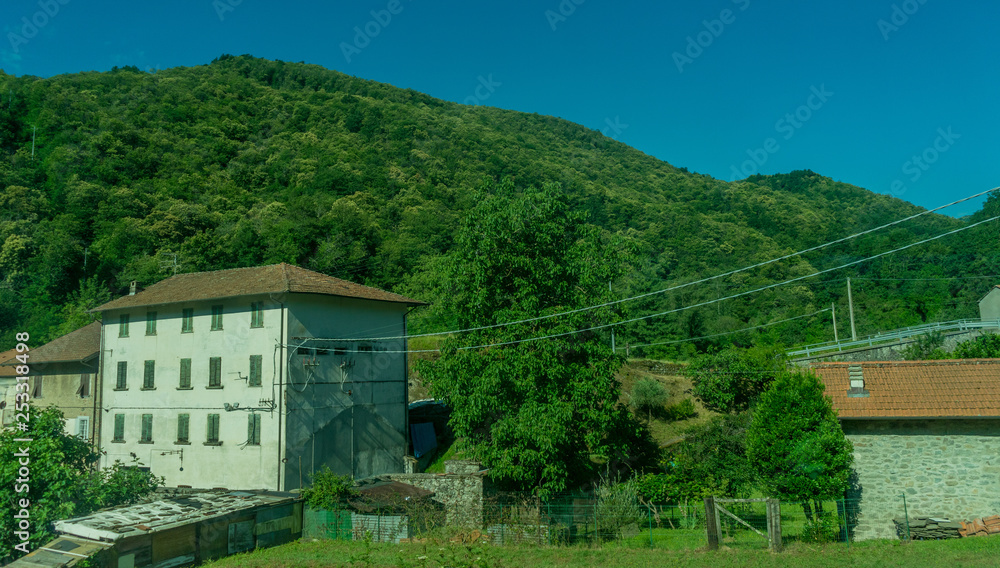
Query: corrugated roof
{"type": "Point", "coordinates": [959, 388]}
{"type": "Point", "coordinates": [132, 520]}
{"type": "Point", "coordinates": [78, 345]}
{"type": "Point", "coordinates": [273, 279]}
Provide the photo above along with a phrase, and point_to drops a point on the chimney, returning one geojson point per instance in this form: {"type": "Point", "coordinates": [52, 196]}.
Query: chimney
{"type": "Point", "coordinates": [132, 287]}
{"type": "Point", "coordinates": [856, 376]}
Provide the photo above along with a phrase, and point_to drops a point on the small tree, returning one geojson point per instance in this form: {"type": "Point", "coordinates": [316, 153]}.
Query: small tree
{"type": "Point", "coordinates": [795, 443]}
{"type": "Point", "coordinates": [733, 379]}
{"type": "Point", "coordinates": [649, 394]}
{"type": "Point", "coordinates": [983, 347]}
{"type": "Point", "coordinates": [329, 491]}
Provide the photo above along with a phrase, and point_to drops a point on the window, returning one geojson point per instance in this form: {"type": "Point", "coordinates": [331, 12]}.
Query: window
{"type": "Point", "coordinates": [213, 430]}
{"type": "Point", "coordinates": [364, 348]}
{"type": "Point", "coordinates": [185, 374]}
{"type": "Point", "coordinates": [215, 372]}
{"type": "Point", "coordinates": [148, 376]}
{"type": "Point", "coordinates": [123, 325]}
{"type": "Point", "coordinates": [257, 314]}
{"type": "Point", "coordinates": [146, 437]}
{"type": "Point", "coordinates": [216, 318]}
{"type": "Point", "coordinates": [119, 428]}
{"type": "Point", "coordinates": [150, 323]}
{"type": "Point", "coordinates": [253, 430]}
{"type": "Point", "coordinates": [122, 382]}
{"type": "Point", "coordinates": [84, 390]}
{"type": "Point", "coordinates": [256, 361]}
{"type": "Point", "coordinates": [187, 320]}
{"type": "Point", "coordinates": [183, 429]}
{"type": "Point", "coordinates": [83, 427]}
{"type": "Point", "coordinates": [36, 391]}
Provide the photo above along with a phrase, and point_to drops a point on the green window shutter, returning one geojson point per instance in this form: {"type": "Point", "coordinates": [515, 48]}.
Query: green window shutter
{"type": "Point", "coordinates": [150, 323]}
{"type": "Point", "coordinates": [253, 429]}
{"type": "Point", "coordinates": [147, 428]}
{"type": "Point", "coordinates": [122, 382]}
{"type": "Point", "coordinates": [183, 427]}
{"type": "Point", "coordinates": [215, 371]}
{"type": "Point", "coordinates": [119, 428]}
{"type": "Point", "coordinates": [213, 428]}
{"type": "Point", "coordinates": [187, 320]}
{"type": "Point", "coordinates": [148, 375]}
{"type": "Point", "coordinates": [185, 374]}
{"type": "Point", "coordinates": [216, 318]}
{"type": "Point", "coordinates": [257, 314]}
{"type": "Point", "coordinates": [123, 325]}
{"type": "Point", "coordinates": [256, 361]}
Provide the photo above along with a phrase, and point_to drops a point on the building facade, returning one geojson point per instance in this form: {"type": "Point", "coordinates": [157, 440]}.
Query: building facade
{"type": "Point", "coordinates": [926, 430]}
{"type": "Point", "coordinates": [63, 373]}
{"type": "Point", "coordinates": [989, 306]}
{"type": "Point", "coordinates": [252, 378]}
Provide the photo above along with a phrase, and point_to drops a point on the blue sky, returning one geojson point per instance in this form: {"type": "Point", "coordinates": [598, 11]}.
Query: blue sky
{"type": "Point", "coordinates": [894, 96]}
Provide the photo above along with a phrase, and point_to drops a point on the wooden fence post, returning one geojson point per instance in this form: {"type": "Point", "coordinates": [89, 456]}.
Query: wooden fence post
{"type": "Point", "coordinates": [711, 523]}
{"type": "Point", "coordinates": [774, 524]}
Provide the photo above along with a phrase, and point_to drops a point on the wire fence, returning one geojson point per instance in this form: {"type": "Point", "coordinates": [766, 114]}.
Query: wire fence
{"type": "Point", "coordinates": [594, 520]}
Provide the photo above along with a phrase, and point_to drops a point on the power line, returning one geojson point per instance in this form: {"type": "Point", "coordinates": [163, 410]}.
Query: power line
{"type": "Point", "coordinates": [698, 305]}
{"type": "Point", "coordinates": [692, 283]}
{"type": "Point", "coordinates": [729, 332]}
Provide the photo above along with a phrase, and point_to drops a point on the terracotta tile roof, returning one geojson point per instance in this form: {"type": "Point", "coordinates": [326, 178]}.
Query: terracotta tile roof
{"type": "Point", "coordinates": [959, 388]}
{"type": "Point", "coordinates": [78, 345]}
{"type": "Point", "coordinates": [273, 279]}
{"type": "Point", "coordinates": [7, 371]}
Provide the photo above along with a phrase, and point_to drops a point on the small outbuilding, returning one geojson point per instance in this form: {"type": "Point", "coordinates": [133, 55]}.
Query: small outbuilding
{"type": "Point", "coordinates": [989, 306]}
{"type": "Point", "coordinates": [924, 431]}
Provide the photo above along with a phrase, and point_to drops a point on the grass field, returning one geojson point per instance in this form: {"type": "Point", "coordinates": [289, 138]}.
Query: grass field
{"type": "Point", "coordinates": [983, 552]}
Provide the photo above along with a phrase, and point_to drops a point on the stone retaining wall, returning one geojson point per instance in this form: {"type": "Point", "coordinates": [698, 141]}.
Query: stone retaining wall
{"type": "Point", "coordinates": [459, 489]}
{"type": "Point", "coordinates": [946, 468]}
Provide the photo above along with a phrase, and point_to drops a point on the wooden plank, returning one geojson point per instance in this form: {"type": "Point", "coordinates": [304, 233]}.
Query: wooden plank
{"type": "Point", "coordinates": [774, 524]}
{"type": "Point", "coordinates": [741, 500]}
{"type": "Point", "coordinates": [711, 524]}
{"type": "Point", "coordinates": [739, 520]}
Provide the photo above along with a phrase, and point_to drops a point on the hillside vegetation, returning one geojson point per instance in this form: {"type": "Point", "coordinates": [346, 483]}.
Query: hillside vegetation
{"type": "Point", "coordinates": [247, 161]}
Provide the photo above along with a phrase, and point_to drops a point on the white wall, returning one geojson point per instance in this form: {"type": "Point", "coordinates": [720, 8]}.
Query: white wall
{"type": "Point", "coordinates": [228, 465]}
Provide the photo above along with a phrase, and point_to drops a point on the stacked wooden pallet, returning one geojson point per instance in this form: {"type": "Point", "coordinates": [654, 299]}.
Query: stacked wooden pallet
{"type": "Point", "coordinates": [981, 527]}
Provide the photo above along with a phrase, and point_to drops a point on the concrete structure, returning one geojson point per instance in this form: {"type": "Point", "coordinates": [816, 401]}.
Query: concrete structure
{"type": "Point", "coordinates": [255, 378]}
{"type": "Point", "coordinates": [178, 530]}
{"type": "Point", "coordinates": [989, 306]}
{"type": "Point", "coordinates": [63, 373]}
{"type": "Point", "coordinates": [926, 429]}
{"type": "Point", "coordinates": [8, 378]}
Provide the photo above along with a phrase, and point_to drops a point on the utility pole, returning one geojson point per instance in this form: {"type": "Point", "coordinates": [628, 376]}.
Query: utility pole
{"type": "Point", "coordinates": [33, 128]}
{"type": "Point", "coordinates": [612, 327]}
{"type": "Point", "coordinates": [850, 308]}
{"type": "Point", "coordinates": [833, 308]}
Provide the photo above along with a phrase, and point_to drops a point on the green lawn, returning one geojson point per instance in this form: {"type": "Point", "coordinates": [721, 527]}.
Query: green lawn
{"type": "Point", "coordinates": [983, 552]}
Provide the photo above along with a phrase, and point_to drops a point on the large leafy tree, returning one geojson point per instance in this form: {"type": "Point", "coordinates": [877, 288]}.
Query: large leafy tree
{"type": "Point", "coordinates": [733, 379]}
{"type": "Point", "coordinates": [795, 442]}
{"type": "Point", "coordinates": [540, 413]}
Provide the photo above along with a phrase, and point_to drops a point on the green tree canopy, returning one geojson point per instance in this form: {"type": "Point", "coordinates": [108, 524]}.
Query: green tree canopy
{"type": "Point", "coordinates": [795, 443]}
{"type": "Point", "coordinates": [733, 379]}
{"type": "Point", "coordinates": [541, 414]}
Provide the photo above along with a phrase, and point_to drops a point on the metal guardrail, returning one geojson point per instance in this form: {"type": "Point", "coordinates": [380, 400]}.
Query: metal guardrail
{"type": "Point", "coordinates": [892, 336]}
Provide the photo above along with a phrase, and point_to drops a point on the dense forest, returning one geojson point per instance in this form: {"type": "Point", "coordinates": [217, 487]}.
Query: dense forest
{"type": "Point", "coordinates": [106, 178]}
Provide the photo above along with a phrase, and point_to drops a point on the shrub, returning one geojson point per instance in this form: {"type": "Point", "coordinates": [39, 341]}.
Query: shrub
{"type": "Point", "coordinates": [329, 491]}
{"type": "Point", "coordinates": [681, 411]}
{"type": "Point", "coordinates": [648, 395]}
{"type": "Point", "coordinates": [617, 508]}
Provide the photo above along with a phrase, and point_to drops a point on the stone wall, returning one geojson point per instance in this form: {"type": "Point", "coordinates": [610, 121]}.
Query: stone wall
{"type": "Point", "coordinates": [459, 489]}
{"type": "Point", "coordinates": [946, 468]}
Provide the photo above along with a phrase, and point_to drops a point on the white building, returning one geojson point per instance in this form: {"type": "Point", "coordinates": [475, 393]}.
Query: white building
{"type": "Point", "coordinates": [250, 378]}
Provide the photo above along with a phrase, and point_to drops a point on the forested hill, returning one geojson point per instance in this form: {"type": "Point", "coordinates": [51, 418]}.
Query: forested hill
{"type": "Point", "coordinates": [247, 161]}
